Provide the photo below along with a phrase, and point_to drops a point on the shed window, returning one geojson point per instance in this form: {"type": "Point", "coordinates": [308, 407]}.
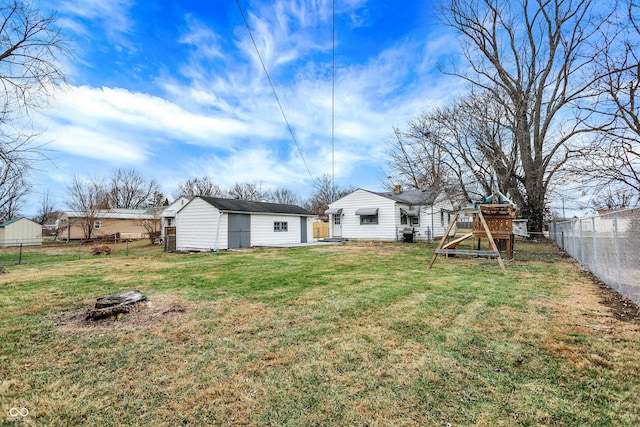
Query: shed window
{"type": "Point", "coordinates": [97, 225]}
{"type": "Point", "coordinates": [280, 226]}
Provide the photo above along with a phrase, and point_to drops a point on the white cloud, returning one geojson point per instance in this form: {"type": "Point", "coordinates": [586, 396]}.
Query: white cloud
{"type": "Point", "coordinates": [135, 117]}
{"type": "Point", "coordinates": [112, 16]}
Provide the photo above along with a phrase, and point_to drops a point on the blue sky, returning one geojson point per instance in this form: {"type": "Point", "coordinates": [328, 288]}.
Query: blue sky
{"type": "Point", "coordinates": [175, 90]}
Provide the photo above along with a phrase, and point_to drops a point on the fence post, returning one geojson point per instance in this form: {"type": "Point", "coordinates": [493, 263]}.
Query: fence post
{"type": "Point", "coordinates": [617, 247]}
{"type": "Point", "coordinates": [581, 244]}
{"type": "Point", "coordinates": [595, 246]}
{"type": "Point", "coordinates": [20, 257]}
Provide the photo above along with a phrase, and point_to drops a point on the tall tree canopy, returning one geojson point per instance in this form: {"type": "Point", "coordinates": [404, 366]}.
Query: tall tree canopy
{"type": "Point", "coordinates": [533, 58]}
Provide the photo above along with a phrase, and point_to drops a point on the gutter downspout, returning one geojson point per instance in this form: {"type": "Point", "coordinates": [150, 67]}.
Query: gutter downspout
{"type": "Point", "coordinates": [215, 247]}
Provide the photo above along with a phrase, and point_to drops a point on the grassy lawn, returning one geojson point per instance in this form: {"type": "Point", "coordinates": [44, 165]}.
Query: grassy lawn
{"type": "Point", "coordinates": [357, 334]}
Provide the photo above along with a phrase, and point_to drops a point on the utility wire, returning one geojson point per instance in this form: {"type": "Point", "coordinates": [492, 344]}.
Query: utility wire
{"type": "Point", "coordinates": [333, 92]}
{"type": "Point", "coordinates": [273, 89]}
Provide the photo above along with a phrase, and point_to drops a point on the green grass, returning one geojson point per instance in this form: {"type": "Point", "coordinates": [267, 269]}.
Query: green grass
{"type": "Point", "coordinates": [343, 335]}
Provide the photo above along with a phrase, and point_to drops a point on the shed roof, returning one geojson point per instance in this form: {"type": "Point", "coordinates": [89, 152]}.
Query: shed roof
{"type": "Point", "coordinates": [11, 221]}
{"type": "Point", "coordinates": [249, 206]}
{"type": "Point", "coordinates": [116, 213]}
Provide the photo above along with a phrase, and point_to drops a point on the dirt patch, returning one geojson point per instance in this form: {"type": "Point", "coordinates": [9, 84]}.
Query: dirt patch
{"type": "Point", "coordinates": [622, 308]}
{"type": "Point", "coordinates": [157, 310]}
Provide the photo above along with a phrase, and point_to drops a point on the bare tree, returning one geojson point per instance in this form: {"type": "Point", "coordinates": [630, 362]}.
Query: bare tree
{"type": "Point", "coordinates": [14, 164]}
{"type": "Point", "coordinates": [87, 199]}
{"type": "Point", "coordinates": [325, 192]}
{"type": "Point", "coordinates": [284, 196]}
{"type": "Point", "coordinates": [534, 56]}
{"type": "Point", "coordinates": [247, 191]}
{"type": "Point", "coordinates": [614, 158]}
{"type": "Point", "coordinates": [200, 187]}
{"type": "Point", "coordinates": [30, 49]}
{"type": "Point", "coordinates": [465, 148]}
{"type": "Point", "coordinates": [612, 198]}
{"type": "Point", "coordinates": [47, 212]}
{"type": "Point", "coordinates": [130, 190]}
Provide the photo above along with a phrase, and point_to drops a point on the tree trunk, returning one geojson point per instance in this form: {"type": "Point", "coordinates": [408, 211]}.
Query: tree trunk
{"type": "Point", "coordinates": [115, 304]}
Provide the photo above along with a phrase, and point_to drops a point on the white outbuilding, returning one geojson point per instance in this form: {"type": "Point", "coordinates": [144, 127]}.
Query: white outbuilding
{"type": "Point", "coordinates": [20, 231]}
{"type": "Point", "coordinates": [211, 223]}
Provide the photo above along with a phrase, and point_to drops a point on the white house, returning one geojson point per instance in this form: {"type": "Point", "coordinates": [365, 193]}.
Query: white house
{"type": "Point", "coordinates": [390, 216]}
{"type": "Point", "coordinates": [210, 223]}
{"type": "Point", "coordinates": [168, 222]}
{"type": "Point", "coordinates": [20, 231]}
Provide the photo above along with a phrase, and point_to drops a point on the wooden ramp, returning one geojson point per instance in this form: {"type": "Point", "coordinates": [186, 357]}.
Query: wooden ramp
{"type": "Point", "coordinates": [450, 248]}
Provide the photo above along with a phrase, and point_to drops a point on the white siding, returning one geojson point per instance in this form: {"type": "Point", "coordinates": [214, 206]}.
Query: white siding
{"type": "Point", "coordinates": [169, 214]}
{"type": "Point", "coordinates": [197, 227]}
{"type": "Point", "coordinates": [389, 227]}
{"type": "Point", "coordinates": [434, 226]}
{"type": "Point", "coordinates": [262, 233]}
{"type": "Point", "coordinates": [23, 231]}
{"type": "Point", "coordinates": [351, 227]}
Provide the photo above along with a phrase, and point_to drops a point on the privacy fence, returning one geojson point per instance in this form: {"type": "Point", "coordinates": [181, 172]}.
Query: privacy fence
{"type": "Point", "coordinates": [608, 245]}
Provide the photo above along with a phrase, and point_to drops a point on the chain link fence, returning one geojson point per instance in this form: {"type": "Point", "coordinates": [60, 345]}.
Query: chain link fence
{"type": "Point", "coordinates": [608, 245]}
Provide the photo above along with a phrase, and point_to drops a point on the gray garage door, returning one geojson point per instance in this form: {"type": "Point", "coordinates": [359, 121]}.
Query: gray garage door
{"type": "Point", "coordinates": [303, 229]}
{"type": "Point", "coordinates": [239, 231]}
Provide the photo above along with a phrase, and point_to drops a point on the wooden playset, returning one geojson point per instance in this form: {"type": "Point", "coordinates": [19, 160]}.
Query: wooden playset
{"type": "Point", "coordinates": [492, 220]}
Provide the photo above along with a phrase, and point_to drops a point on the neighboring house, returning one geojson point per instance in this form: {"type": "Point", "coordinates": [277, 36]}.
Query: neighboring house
{"type": "Point", "coordinates": [210, 223]}
{"type": "Point", "coordinates": [123, 223]}
{"type": "Point", "coordinates": [390, 216]}
{"type": "Point", "coordinates": [168, 222]}
{"type": "Point", "coordinates": [20, 231]}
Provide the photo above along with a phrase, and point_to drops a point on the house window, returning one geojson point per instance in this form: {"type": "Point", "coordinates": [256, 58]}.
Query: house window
{"type": "Point", "coordinates": [368, 215]}
{"type": "Point", "coordinates": [280, 226]}
{"type": "Point", "coordinates": [336, 219]}
{"type": "Point", "coordinates": [410, 217]}
{"type": "Point", "coordinates": [97, 225]}
{"type": "Point", "coordinates": [368, 219]}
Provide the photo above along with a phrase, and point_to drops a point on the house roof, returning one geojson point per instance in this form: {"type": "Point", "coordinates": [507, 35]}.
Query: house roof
{"type": "Point", "coordinates": [116, 213]}
{"type": "Point", "coordinates": [235, 205]}
{"type": "Point", "coordinates": [413, 196]}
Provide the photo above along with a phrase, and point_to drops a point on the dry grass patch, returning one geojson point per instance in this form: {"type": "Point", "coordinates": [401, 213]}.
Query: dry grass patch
{"type": "Point", "coordinates": [358, 334]}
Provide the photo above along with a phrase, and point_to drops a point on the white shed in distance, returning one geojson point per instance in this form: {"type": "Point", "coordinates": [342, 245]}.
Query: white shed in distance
{"type": "Point", "coordinates": [20, 231]}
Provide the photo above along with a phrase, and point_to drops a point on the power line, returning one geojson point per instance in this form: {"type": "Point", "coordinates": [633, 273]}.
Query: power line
{"type": "Point", "coordinates": [273, 89]}
{"type": "Point", "coordinates": [333, 93]}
